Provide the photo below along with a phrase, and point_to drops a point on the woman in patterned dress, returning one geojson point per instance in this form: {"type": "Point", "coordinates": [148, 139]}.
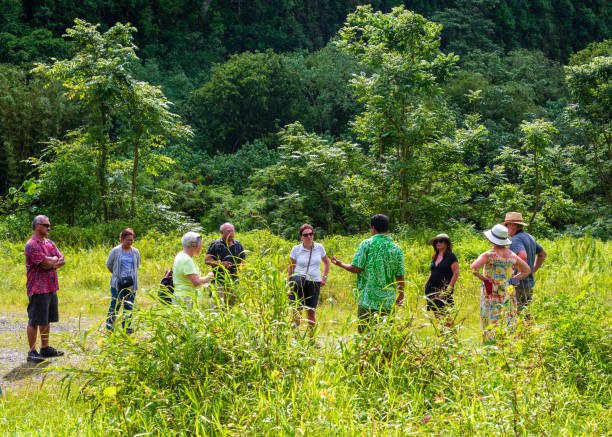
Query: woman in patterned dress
{"type": "Point", "coordinates": [497, 296]}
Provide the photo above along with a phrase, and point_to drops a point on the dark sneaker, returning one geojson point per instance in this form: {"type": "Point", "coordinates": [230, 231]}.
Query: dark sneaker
{"type": "Point", "coordinates": [35, 357]}
{"type": "Point", "coordinates": [50, 351]}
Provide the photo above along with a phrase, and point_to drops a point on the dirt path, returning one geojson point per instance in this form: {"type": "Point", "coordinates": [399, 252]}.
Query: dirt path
{"type": "Point", "coordinates": [15, 371]}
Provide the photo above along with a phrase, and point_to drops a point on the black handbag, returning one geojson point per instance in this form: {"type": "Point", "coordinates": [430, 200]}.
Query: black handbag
{"type": "Point", "coordinates": [299, 280]}
{"type": "Point", "coordinates": [125, 282]}
{"type": "Point", "coordinates": [166, 288]}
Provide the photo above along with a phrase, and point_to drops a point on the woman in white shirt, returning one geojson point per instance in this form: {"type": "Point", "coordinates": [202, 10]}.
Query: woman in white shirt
{"type": "Point", "coordinates": [305, 277]}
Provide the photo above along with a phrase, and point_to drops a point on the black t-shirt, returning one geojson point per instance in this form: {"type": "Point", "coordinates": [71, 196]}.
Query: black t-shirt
{"type": "Point", "coordinates": [221, 252]}
{"type": "Point", "coordinates": [441, 274]}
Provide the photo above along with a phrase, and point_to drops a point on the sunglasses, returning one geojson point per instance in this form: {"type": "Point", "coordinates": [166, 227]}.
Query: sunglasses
{"type": "Point", "coordinates": [308, 234]}
{"type": "Point", "coordinates": [46, 225]}
{"type": "Point", "coordinates": [439, 241]}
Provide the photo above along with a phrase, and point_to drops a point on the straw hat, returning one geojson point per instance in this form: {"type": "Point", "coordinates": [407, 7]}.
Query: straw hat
{"type": "Point", "coordinates": [498, 234]}
{"type": "Point", "coordinates": [440, 237]}
{"type": "Point", "coordinates": [514, 217]}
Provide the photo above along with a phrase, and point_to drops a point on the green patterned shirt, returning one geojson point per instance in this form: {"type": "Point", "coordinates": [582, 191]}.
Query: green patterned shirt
{"type": "Point", "coordinates": [381, 261]}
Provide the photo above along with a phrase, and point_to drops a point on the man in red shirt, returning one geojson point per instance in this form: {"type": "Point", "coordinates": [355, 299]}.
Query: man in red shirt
{"type": "Point", "coordinates": [42, 261]}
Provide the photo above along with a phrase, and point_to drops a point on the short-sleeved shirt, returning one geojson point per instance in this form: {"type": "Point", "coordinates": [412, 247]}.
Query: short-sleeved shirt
{"type": "Point", "coordinates": [39, 280]}
{"type": "Point", "coordinates": [523, 241]}
{"type": "Point", "coordinates": [300, 254]}
{"type": "Point", "coordinates": [381, 260]}
{"type": "Point", "coordinates": [127, 264]}
{"type": "Point", "coordinates": [235, 254]}
{"type": "Point", "coordinates": [184, 265]}
{"type": "Point", "coordinates": [441, 274]}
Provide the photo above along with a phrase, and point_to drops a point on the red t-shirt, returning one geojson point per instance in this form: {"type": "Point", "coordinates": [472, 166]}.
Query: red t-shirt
{"type": "Point", "coordinates": [40, 281]}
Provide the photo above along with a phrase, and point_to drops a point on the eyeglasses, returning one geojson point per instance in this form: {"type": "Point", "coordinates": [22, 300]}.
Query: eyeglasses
{"type": "Point", "coordinates": [308, 234]}
{"type": "Point", "coordinates": [46, 225]}
{"type": "Point", "coordinates": [439, 241]}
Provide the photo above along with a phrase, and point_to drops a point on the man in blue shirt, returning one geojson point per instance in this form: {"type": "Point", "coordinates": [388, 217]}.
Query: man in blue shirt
{"type": "Point", "coordinates": [526, 247]}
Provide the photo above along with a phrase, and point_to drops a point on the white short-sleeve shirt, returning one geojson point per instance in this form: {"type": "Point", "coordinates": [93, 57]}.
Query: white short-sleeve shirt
{"type": "Point", "coordinates": [300, 254]}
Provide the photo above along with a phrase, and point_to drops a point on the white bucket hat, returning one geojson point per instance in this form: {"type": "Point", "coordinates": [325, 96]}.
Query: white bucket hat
{"type": "Point", "coordinates": [498, 234]}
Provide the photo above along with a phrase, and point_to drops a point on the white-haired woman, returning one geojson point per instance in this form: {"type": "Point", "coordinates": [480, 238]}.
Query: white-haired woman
{"type": "Point", "coordinates": [186, 273]}
{"type": "Point", "coordinates": [496, 294]}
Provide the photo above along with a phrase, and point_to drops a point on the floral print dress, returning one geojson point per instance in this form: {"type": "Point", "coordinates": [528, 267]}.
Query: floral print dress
{"type": "Point", "coordinates": [501, 298]}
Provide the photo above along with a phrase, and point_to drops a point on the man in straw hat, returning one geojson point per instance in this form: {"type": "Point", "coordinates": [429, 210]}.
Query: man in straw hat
{"type": "Point", "coordinates": [526, 247]}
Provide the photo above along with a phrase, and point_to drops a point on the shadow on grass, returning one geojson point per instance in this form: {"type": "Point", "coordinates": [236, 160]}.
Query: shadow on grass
{"type": "Point", "coordinates": [26, 370]}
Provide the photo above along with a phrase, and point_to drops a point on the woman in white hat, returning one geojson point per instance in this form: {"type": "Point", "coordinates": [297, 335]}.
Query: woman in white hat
{"type": "Point", "coordinates": [496, 294]}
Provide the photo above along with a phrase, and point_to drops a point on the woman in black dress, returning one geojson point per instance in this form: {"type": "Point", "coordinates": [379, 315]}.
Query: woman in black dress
{"type": "Point", "coordinates": [444, 273]}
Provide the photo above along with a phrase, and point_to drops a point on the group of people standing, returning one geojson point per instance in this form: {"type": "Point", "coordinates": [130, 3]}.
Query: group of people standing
{"type": "Point", "coordinates": [506, 275]}
{"type": "Point", "coordinates": [505, 271]}
{"type": "Point", "coordinates": [224, 255]}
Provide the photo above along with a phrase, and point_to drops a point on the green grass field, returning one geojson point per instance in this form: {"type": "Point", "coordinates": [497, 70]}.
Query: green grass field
{"type": "Point", "coordinates": [208, 372]}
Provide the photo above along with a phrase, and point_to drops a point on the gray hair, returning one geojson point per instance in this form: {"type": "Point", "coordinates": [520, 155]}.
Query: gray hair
{"type": "Point", "coordinates": [191, 239]}
{"type": "Point", "coordinates": [223, 225]}
{"type": "Point", "coordinates": [37, 219]}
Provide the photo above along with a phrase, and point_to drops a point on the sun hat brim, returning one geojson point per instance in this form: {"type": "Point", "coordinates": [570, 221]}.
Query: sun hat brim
{"type": "Point", "coordinates": [516, 222]}
{"type": "Point", "coordinates": [514, 217]}
{"type": "Point", "coordinates": [440, 237]}
{"type": "Point", "coordinates": [496, 240]}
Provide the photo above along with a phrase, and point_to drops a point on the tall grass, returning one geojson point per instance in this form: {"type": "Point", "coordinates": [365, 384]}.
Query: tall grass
{"type": "Point", "coordinates": [250, 371]}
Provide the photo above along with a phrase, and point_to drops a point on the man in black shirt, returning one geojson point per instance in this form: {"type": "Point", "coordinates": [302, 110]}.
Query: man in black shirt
{"type": "Point", "coordinates": [224, 256]}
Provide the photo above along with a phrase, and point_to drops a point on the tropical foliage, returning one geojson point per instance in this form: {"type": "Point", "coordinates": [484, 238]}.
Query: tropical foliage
{"type": "Point", "coordinates": [453, 112]}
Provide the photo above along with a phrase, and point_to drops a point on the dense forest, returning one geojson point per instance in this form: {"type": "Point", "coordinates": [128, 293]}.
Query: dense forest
{"type": "Point", "coordinates": [172, 114]}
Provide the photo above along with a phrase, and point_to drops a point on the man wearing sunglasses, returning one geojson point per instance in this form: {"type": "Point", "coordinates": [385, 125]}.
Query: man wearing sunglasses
{"type": "Point", "coordinates": [42, 261]}
{"type": "Point", "coordinates": [225, 256]}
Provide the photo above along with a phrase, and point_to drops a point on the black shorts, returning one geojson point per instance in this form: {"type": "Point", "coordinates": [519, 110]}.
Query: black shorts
{"type": "Point", "coordinates": [439, 302]}
{"type": "Point", "coordinates": [42, 309]}
{"type": "Point", "coordinates": [305, 292]}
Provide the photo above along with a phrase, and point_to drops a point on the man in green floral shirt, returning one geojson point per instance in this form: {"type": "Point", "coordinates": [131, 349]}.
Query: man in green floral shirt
{"type": "Point", "coordinates": [379, 265]}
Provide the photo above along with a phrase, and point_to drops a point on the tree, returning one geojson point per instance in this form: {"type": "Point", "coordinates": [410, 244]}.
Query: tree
{"type": "Point", "coordinates": [589, 79]}
{"type": "Point", "coordinates": [468, 26]}
{"type": "Point", "coordinates": [325, 101]}
{"type": "Point", "coordinates": [537, 140]}
{"type": "Point", "coordinates": [66, 174]}
{"type": "Point", "coordinates": [150, 125]}
{"type": "Point", "coordinates": [117, 108]}
{"type": "Point", "coordinates": [404, 107]}
{"type": "Point", "coordinates": [30, 113]}
{"type": "Point", "coordinates": [96, 77]}
{"type": "Point", "coordinates": [249, 96]}
{"type": "Point", "coordinates": [308, 183]}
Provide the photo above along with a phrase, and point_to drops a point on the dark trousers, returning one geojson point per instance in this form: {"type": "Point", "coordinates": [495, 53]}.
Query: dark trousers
{"type": "Point", "coordinates": [123, 298]}
{"type": "Point", "coordinates": [523, 297]}
{"type": "Point", "coordinates": [367, 317]}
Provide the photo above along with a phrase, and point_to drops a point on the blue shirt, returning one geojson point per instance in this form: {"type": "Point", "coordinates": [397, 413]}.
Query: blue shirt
{"type": "Point", "coordinates": [127, 264]}
{"type": "Point", "coordinates": [523, 241]}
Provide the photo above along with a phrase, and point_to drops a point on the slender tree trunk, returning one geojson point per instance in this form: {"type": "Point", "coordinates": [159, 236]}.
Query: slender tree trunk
{"type": "Point", "coordinates": [102, 182]}
{"type": "Point", "coordinates": [403, 180]}
{"type": "Point", "coordinates": [135, 172]}
{"type": "Point", "coordinates": [604, 176]}
{"type": "Point", "coordinates": [537, 190]}
{"type": "Point", "coordinates": [102, 162]}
